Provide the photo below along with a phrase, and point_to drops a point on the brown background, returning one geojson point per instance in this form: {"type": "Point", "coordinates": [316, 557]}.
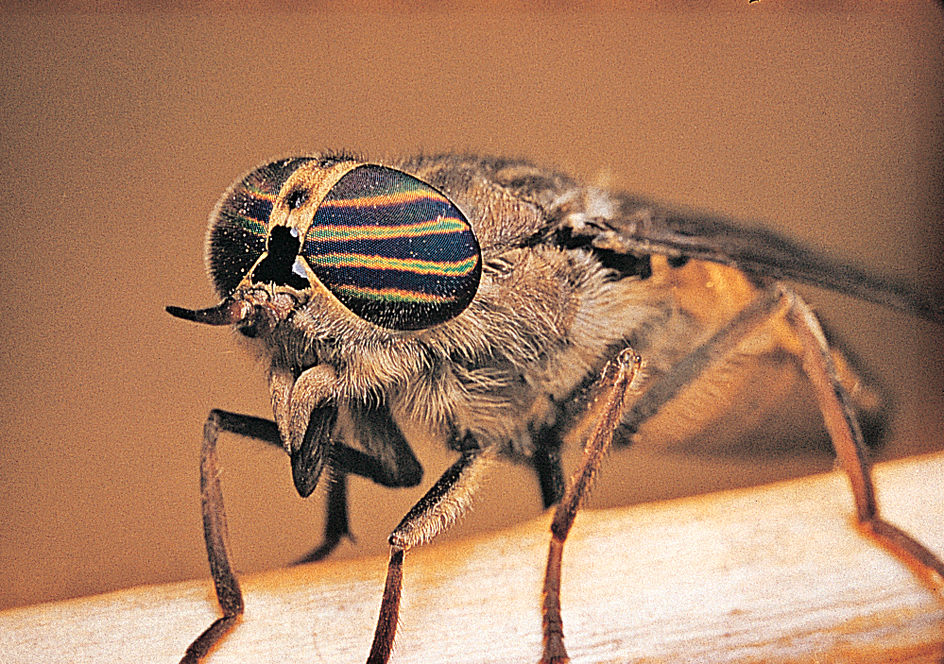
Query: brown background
{"type": "Point", "coordinates": [120, 131]}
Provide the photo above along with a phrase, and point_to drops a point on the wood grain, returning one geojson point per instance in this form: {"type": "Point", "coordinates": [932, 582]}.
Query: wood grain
{"type": "Point", "coordinates": [773, 574]}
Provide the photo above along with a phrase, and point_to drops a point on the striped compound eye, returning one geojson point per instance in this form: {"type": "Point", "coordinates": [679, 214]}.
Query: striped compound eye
{"type": "Point", "coordinates": [393, 250]}
{"type": "Point", "coordinates": [239, 227]}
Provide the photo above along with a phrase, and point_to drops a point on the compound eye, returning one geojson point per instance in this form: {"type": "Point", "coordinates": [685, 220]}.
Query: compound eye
{"type": "Point", "coordinates": [393, 250]}
{"type": "Point", "coordinates": [239, 226]}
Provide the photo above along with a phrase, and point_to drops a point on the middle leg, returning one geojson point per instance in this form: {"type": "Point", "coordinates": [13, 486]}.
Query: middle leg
{"type": "Point", "coordinates": [617, 387]}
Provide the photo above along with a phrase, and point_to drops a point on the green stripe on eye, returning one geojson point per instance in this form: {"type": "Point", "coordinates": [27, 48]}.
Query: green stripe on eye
{"type": "Point", "coordinates": [432, 227]}
{"type": "Point", "coordinates": [251, 224]}
{"type": "Point", "coordinates": [417, 266]}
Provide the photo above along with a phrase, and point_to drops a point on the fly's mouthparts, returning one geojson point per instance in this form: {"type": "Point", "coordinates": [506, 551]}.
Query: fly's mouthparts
{"type": "Point", "coordinates": [227, 312]}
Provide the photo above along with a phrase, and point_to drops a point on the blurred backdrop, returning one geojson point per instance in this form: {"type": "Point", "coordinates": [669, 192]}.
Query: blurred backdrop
{"type": "Point", "coordinates": [120, 131]}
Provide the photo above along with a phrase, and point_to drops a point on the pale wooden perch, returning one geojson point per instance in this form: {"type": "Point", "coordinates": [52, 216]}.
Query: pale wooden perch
{"type": "Point", "coordinates": [772, 574]}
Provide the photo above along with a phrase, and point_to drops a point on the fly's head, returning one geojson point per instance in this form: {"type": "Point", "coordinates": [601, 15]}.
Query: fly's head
{"type": "Point", "coordinates": [304, 250]}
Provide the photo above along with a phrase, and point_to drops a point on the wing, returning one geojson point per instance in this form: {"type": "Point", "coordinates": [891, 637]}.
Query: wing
{"type": "Point", "coordinates": [640, 228]}
{"type": "Point", "coordinates": [617, 226]}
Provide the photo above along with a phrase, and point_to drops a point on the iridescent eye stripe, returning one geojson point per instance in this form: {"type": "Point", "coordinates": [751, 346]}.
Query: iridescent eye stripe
{"type": "Point", "coordinates": [251, 201]}
{"type": "Point", "coordinates": [393, 294]}
{"type": "Point", "coordinates": [415, 265]}
{"type": "Point", "coordinates": [393, 250]}
{"type": "Point", "coordinates": [339, 233]}
{"type": "Point", "coordinates": [403, 196]}
{"type": "Point", "coordinates": [238, 233]}
{"type": "Point", "coordinates": [254, 211]}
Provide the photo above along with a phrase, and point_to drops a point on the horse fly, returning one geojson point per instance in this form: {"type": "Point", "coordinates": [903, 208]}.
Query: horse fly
{"type": "Point", "coordinates": [486, 300]}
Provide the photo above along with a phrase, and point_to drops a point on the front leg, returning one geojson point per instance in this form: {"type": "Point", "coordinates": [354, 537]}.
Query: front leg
{"type": "Point", "coordinates": [228, 594]}
{"type": "Point", "coordinates": [342, 459]}
{"type": "Point", "coordinates": [215, 533]}
{"type": "Point", "coordinates": [448, 499]}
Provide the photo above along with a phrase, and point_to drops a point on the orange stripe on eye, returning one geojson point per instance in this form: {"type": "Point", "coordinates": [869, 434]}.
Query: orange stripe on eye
{"type": "Point", "coordinates": [379, 200]}
{"type": "Point", "coordinates": [392, 294]}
